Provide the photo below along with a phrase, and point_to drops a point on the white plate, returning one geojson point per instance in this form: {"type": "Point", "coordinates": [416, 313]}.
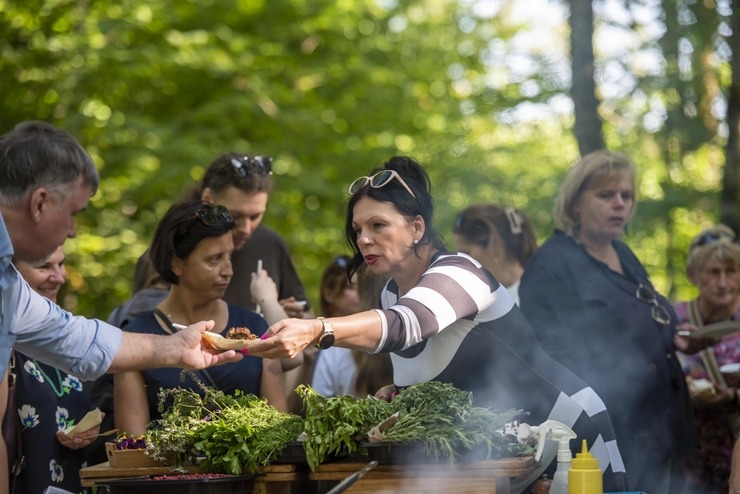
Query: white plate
{"type": "Point", "coordinates": [730, 368]}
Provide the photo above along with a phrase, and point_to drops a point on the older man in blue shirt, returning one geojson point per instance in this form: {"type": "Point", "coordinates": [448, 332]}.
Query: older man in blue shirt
{"type": "Point", "coordinates": [46, 179]}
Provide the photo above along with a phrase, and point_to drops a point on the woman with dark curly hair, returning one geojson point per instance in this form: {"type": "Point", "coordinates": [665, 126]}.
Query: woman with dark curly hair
{"type": "Point", "coordinates": [191, 250]}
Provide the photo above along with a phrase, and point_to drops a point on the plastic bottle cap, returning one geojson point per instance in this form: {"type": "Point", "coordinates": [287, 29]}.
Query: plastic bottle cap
{"type": "Point", "coordinates": [585, 460]}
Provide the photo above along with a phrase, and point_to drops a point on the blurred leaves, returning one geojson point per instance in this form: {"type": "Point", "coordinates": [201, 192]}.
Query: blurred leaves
{"type": "Point", "coordinates": [155, 90]}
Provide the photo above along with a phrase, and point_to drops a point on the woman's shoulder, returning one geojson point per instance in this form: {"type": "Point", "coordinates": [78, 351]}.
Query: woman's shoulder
{"type": "Point", "coordinates": [143, 323]}
{"type": "Point", "coordinates": [456, 259]}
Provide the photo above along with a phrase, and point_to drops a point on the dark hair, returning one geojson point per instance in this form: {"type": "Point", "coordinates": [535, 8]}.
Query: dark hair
{"type": "Point", "coordinates": [476, 222]}
{"type": "Point", "coordinates": [145, 276]}
{"type": "Point", "coordinates": [37, 154]}
{"type": "Point", "coordinates": [334, 280]}
{"type": "Point", "coordinates": [394, 192]}
{"type": "Point", "coordinates": [251, 176]}
{"type": "Point", "coordinates": [180, 230]}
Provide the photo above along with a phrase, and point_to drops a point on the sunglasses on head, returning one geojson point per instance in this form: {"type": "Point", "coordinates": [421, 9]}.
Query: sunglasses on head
{"type": "Point", "coordinates": [658, 312]}
{"type": "Point", "coordinates": [209, 215]}
{"type": "Point", "coordinates": [380, 179]}
{"type": "Point", "coordinates": [710, 238]}
{"type": "Point", "coordinates": [260, 164]}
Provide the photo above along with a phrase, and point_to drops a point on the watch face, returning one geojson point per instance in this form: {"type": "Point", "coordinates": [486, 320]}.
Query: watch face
{"type": "Point", "coordinates": [326, 341]}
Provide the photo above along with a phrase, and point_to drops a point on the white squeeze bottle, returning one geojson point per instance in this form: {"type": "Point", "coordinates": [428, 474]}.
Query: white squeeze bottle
{"type": "Point", "coordinates": [557, 431]}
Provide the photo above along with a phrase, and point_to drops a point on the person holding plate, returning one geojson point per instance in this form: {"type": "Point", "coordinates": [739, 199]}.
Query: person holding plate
{"type": "Point", "coordinates": [191, 250]}
{"type": "Point", "coordinates": [713, 266]}
{"type": "Point", "coordinates": [444, 317]}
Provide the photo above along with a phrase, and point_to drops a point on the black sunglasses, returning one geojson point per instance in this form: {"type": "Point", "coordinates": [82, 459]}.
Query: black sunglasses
{"type": "Point", "coordinates": [209, 215]}
{"type": "Point", "coordinates": [710, 238]}
{"type": "Point", "coordinates": [260, 164]}
{"type": "Point", "coordinates": [658, 312]}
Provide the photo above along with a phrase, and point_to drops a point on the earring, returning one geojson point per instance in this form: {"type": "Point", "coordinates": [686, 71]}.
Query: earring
{"type": "Point", "coordinates": [416, 241]}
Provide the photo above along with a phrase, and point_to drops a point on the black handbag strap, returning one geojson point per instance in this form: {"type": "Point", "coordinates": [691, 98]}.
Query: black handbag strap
{"type": "Point", "coordinates": [173, 330]}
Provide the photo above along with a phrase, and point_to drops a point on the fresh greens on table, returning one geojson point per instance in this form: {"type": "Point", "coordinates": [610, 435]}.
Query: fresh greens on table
{"type": "Point", "coordinates": [337, 424]}
{"type": "Point", "coordinates": [241, 432]}
{"type": "Point", "coordinates": [234, 433]}
{"type": "Point", "coordinates": [446, 421]}
{"type": "Point", "coordinates": [436, 414]}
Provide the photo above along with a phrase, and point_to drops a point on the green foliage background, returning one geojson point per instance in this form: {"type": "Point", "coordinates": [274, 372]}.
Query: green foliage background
{"type": "Point", "coordinates": [156, 89]}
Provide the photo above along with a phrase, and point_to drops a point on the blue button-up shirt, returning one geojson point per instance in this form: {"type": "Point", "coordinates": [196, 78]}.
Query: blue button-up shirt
{"type": "Point", "coordinates": [42, 330]}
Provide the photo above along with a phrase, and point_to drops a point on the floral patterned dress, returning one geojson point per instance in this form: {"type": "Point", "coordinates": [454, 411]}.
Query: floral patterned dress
{"type": "Point", "coordinates": [712, 464]}
{"type": "Point", "coordinates": [48, 400]}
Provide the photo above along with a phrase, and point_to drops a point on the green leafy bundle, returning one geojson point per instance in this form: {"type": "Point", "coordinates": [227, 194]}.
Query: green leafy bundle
{"type": "Point", "coordinates": [235, 433]}
{"type": "Point", "coordinates": [437, 415]}
{"type": "Point", "coordinates": [337, 424]}
{"type": "Point", "coordinates": [445, 420]}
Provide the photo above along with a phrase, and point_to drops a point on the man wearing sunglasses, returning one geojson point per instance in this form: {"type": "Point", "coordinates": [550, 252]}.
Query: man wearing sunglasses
{"type": "Point", "coordinates": [46, 179]}
{"type": "Point", "coordinates": [242, 184]}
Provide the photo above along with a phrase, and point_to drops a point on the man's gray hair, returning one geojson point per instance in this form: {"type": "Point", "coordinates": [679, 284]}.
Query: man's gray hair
{"type": "Point", "coordinates": [37, 154]}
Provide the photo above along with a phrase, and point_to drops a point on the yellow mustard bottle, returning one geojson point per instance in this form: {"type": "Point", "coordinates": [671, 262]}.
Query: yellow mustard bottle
{"type": "Point", "coordinates": [584, 476]}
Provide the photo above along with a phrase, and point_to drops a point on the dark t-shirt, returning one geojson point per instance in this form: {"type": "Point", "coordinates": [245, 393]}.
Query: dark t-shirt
{"type": "Point", "coordinates": [268, 246]}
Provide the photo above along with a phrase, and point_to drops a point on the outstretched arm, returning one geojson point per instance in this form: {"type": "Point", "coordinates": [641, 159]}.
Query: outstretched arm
{"type": "Point", "coordinates": [286, 338]}
{"type": "Point", "coordinates": [183, 349]}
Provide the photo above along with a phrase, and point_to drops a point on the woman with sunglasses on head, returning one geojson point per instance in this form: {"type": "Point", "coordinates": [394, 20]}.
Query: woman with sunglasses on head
{"type": "Point", "coordinates": [444, 317]}
{"type": "Point", "coordinates": [191, 250]}
{"type": "Point", "coordinates": [500, 238]}
{"type": "Point", "coordinates": [594, 309]}
{"type": "Point", "coordinates": [713, 266]}
{"type": "Point", "coordinates": [242, 183]}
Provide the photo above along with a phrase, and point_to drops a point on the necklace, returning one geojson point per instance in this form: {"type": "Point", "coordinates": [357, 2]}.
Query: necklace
{"type": "Point", "coordinates": [57, 391]}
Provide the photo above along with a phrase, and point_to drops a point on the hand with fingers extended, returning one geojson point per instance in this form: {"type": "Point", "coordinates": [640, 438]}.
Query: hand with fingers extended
{"type": "Point", "coordinates": [286, 338]}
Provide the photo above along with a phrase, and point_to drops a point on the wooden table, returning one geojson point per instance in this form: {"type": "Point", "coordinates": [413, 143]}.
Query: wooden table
{"type": "Point", "coordinates": [481, 477]}
{"type": "Point", "coordinates": [278, 479]}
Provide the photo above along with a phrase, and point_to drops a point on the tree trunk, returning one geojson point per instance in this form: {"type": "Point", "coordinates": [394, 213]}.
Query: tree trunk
{"type": "Point", "coordinates": [730, 197]}
{"type": "Point", "coordinates": [583, 90]}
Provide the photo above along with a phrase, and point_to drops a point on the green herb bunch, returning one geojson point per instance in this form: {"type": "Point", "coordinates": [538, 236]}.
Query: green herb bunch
{"type": "Point", "coordinates": [235, 433]}
{"type": "Point", "coordinates": [446, 421]}
{"type": "Point", "coordinates": [338, 424]}
{"type": "Point", "coordinates": [246, 435]}
{"type": "Point", "coordinates": [437, 415]}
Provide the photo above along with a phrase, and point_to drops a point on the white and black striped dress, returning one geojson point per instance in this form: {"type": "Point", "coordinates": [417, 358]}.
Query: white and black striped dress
{"type": "Point", "coordinates": [459, 325]}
